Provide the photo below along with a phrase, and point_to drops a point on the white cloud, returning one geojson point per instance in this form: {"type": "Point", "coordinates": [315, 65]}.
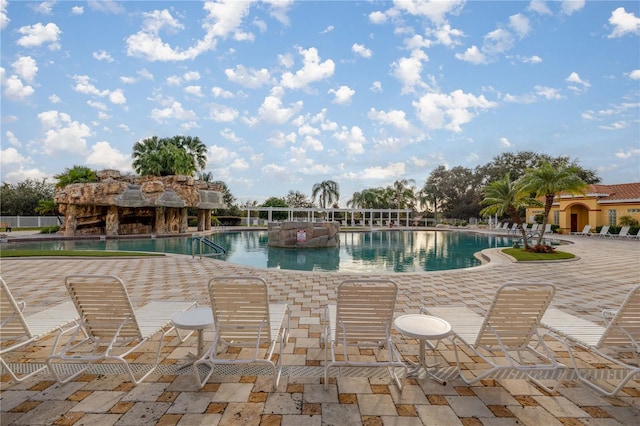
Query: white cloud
{"type": "Point", "coordinates": [327, 30]}
{"type": "Point", "coordinates": [504, 142]}
{"type": "Point", "coordinates": [223, 20]}
{"type": "Point", "coordinates": [623, 23]}
{"type": "Point", "coordinates": [548, 93]}
{"type": "Point", "coordinates": [60, 133]}
{"type": "Point", "coordinates": [230, 135]}
{"type": "Point", "coordinates": [539, 6]}
{"type": "Point", "coordinates": [312, 70]}
{"type": "Point", "coordinates": [409, 71]}
{"type": "Point", "coordinates": [631, 152]}
{"type": "Point", "coordinates": [362, 50]}
{"type": "Point", "coordinates": [520, 24]}
{"type": "Point", "coordinates": [26, 68]}
{"type": "Point", "coordinates": [532, 59]}
{"type": "Point", "coordinates": [222, 113]}
{"type": "Point", "coordinates": [450, 111]}
{"type": "Point", "coordinates": [571, 6]}
{"type": "Point", "coordinates": [219, 92]}
{"type": "Point", "coordinates": [343, 95]}
{"type": "Point", "coordinates": [38, 34]}
{"type": "Point", "coordinates": [174, 111]}
{"type": "Point", "coordinates": [635, 74]}
{"type": "Point", "coordinates": [14, 88]}
{"type": "Point", "coordinates": [272, 110]}
{"type": "Point", "coordinates": [280, 139]}
{"type": "Point", "coordinates": [102, 56]}
{"type": "Point", "coordinates": [447, 36]}
{"type": "Point", "coordinates": [97, 105]}
{"type": "Point", "coordinates": [11, 156]}
{"type": "Point", "coordinates": [194, 90]}
{"type": "Point", "coordinates": [279, 9]}
{"type": "Point", "coordinates": [4, 19]}
{"type": "Point", "coordinates": [575, 80]}
{"type": "Point", "coordinates": [84, 85]}
{"type": "Point", "coordinates": [434, 10]}
{"type": "Point", "coordinates": [117, 97]}
{"type": "Point", "coordinates": [54, 99]}
{"type": "Point", "coordinates": [472, 55]}
{"type": "Point", "coordinates": [248, 77]}
{"type": "Point", "coordinates": [391, 172]}
{"type": "Point", "coordinates": [77, 10]}
{"type": "Point", "coordinates": [353, 139]}
{"type": "Point", "coordinates": [103, 155]}
{"type": "Point", "coordinates": [376, 87]}
{"type": "Point", "coordinates": [497, 41]}
{"type": "Point", "coordinates": [377, 17]}
{"type": "Point", "coordinates": [395, 118]}
{"type": "Point", "coordinates": [22, 175]}
{"type": "Point", "coordinates": [13, 140]}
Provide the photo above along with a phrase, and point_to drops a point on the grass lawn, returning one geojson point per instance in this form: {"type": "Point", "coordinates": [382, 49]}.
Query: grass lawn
{"type": "Point", "coordinates": [83, 253]}
{"type": "Point", "coordinates": [524, 256]}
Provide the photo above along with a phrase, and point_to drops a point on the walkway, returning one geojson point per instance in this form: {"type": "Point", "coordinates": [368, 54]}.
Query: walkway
{"type": "Point", "coordinates": [604, 273]}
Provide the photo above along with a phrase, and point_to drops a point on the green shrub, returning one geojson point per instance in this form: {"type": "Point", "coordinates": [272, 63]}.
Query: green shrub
{"type": "Point", "coordinates": [50, 229]}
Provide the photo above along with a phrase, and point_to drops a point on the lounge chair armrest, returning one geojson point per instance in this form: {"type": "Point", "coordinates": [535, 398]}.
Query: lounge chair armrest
{"type": "Point", "coordinates": [608, 314]}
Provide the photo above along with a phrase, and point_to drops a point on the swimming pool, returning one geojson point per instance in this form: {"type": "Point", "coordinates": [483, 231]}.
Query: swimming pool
{"type": "Point", "coordinates": [364, 252]}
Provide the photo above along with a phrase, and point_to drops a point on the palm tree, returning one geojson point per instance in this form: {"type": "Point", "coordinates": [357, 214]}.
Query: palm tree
{"type": "Point", "coordinates": [549, 180]}
{"type": "Point", "coordinates": [402, 194]}
{"type": "Point", "coordinates": [180, 155]}
{"type": "Point", "coordinates": [506, 197]}
{"type": "Point", "coordinates": [327, 192]}
{"type": "Point", "coordinates": [75, 174]}
{"type": "Point", "coordinates": [48, 206]}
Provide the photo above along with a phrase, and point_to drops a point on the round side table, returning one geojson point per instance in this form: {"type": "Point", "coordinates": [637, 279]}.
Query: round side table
{"type": "Point", "coordinates": [424, 328]}
{"type": "Point", "coordinates": [195, 319]}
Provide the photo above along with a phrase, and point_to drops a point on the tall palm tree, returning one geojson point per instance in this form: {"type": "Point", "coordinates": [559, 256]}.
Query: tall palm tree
{"type": "Point", "coordinates": [327, 192]}
{"type": "Point", "coordinates": [403, 194]}
{"type": "Point", "coordinates": [506, 197]}
{"type": "Point", "coordinates": [549, 180]}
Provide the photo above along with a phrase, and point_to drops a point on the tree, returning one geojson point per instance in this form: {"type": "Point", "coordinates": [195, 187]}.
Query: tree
{"type": "Point", "coordinates": [402, 194]}
{"type": "Point", "coordinates": [507, 197]}
{"type": "Point", "coordinates": [549, 180]}
{"type": "Point", "coordinates": [327, 192]}
{"type": "Point", "coordinates": [179, 155]}
{"type": "Point", "coordinates": [22, 198]}
{"type": "Point", "coordinates": [274, 202]}
{"type": "Point", "coordinates": [48, 206]}
{"type": "Point", "coordinates": [517, 163]}
{"type": "Point", "coordinates": [299, 200]}
{"type": "Point", "coordinates": [432, 192]}
{"type": "Point", "coordinates": [76, 174]}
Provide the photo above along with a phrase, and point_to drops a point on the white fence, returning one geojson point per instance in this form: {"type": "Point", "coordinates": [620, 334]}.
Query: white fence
{"type": "Point", "coordinates": [30, 221]}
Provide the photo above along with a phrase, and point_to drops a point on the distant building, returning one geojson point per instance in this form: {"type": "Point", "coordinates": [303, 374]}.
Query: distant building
{"type": "Point", "coordinates": [600, 205]}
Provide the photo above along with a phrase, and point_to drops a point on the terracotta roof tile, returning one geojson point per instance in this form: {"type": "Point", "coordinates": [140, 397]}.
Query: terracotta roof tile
{"type": "Point", "coordinates": [623, 191]}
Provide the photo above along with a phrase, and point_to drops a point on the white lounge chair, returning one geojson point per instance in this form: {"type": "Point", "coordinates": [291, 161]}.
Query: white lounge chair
{"type": "Point", "coordinates": [113, 328]}
{"type": "Point", "coordinates": [585, 231]}
{"type": "Point", "coordinates": [19, 330]}
{"type": "Point", "coordinates": [507, 334]}
{"type": "Point", "coordinates": [243, 317]}
{"type": "Point", "coordinates": [362, 317]}
{"type": "Point", "coordinates": [615, 341]}
{"type": "Point", "coordinates": [604, 232]}
{"type": "Point", "coordinates": [624, 233]}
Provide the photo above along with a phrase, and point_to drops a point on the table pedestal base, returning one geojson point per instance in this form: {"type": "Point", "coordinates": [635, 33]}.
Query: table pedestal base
{"type": "Point", "coordinates": [414, 370]}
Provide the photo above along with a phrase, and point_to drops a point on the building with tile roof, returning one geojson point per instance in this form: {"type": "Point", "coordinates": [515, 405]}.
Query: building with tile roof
{"type": "Point", "coordinates": [599, 205]}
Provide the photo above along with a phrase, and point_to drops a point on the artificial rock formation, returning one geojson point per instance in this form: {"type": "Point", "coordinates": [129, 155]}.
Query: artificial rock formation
{"type": "Point", "coordinates": [127, 205]}
{"type": "Point", "coordinates": [304, 234]}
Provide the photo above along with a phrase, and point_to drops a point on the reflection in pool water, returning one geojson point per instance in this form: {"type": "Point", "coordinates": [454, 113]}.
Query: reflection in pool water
{"type": "Point", "coordinates": [370, 252]}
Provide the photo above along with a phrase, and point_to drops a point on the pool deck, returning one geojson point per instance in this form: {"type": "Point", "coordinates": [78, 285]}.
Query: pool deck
{"type": "Point", "coordinates": [601, 276]}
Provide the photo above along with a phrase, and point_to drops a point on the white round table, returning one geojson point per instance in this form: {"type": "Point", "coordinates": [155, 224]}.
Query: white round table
{"type": "Point", "coordinates": [195, 319]}
{"type": "Point", "coordinates": [424, 328]}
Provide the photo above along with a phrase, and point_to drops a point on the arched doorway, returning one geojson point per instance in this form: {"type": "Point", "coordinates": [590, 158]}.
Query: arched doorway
{"type": "Point", "coordinates": [576, 217]}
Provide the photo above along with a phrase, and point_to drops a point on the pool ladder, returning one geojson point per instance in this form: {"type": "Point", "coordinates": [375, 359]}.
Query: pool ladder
{"type": "Point", "coordinates": [204, 241]}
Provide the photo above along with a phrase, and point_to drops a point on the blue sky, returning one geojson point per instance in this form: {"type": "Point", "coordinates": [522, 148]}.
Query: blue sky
{"type": "Point", "coordinates": [286, 94]}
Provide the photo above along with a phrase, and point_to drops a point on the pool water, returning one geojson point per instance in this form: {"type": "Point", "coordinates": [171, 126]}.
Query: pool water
{"type": "Point", "coordinates": [364, 252]}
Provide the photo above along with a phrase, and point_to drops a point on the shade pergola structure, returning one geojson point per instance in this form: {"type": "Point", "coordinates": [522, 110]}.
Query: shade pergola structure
{"type": "Point", "coordinates": [352, 217]}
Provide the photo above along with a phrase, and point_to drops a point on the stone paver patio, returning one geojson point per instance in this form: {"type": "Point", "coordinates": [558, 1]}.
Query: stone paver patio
{"type": "Point", "coordinates": [599, 279]}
